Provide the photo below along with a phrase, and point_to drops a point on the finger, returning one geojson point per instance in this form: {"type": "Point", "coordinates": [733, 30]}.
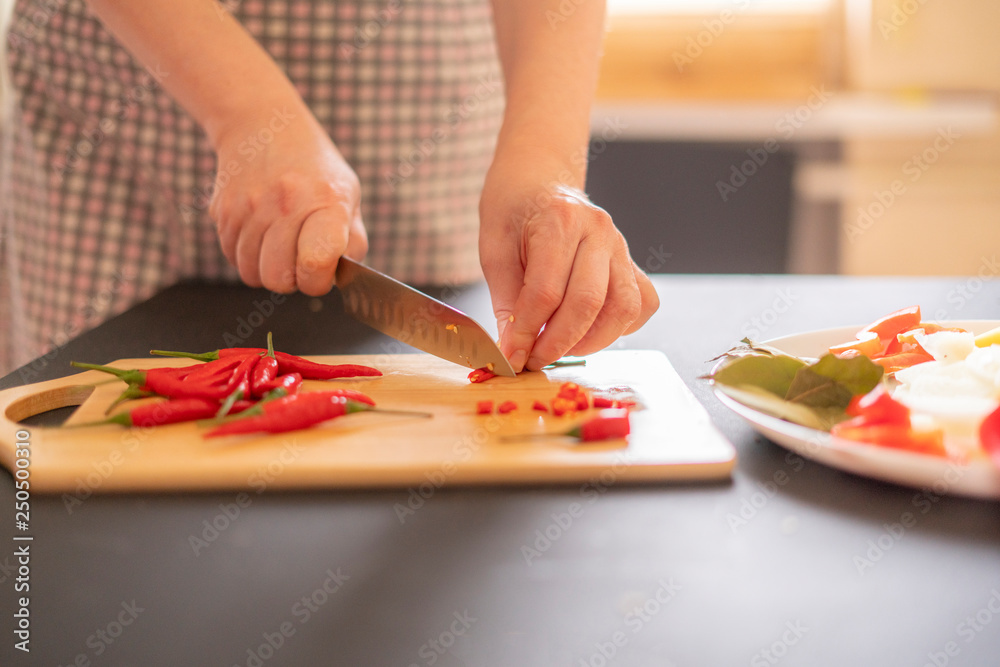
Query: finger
{"type": "Point", "coordinates": [586, 294]}
{"type": "Point", "coordinates": [229, 216]}
{"type": "Point", "coordinates": [618, 312]}
{"type": "Point", "coordinates": [546, 276]}
{"type": "Point", "coordinates": [505, 276]}
{"type": "Point", "coordinates": [322, 240]}
{"type": "Point", "coordinates": [278, 253]}
{"type": "Point", "coordinates": [650, 299]}
{"type": "Point", "coordinates": [248, 246]}
{"type": "Point", "coordinates": [357, 239]}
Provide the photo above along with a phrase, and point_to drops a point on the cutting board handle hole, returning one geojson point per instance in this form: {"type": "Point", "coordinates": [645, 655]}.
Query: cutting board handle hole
{"type": "Point", "coordinates": [46, 401]}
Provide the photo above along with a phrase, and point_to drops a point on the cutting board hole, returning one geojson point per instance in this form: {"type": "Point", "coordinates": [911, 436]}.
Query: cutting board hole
{"type": "Point", "coordinates": [48, 408]}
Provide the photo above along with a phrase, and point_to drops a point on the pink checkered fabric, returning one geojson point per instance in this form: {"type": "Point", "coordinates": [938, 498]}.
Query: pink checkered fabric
{"type": "Point", "coordinates": [105, 181]}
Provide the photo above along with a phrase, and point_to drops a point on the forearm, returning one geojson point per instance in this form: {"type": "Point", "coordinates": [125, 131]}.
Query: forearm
{"type": "Point", "coordinates": [550, 62]}
{"type": "Point", "coordinates": [210, 64]}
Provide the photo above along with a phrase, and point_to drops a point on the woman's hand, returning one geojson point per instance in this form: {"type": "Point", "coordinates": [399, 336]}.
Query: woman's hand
{"type": "Point", "coordinates": [554, 259]}
{"type": "Point", "coordinates": [286, 210]}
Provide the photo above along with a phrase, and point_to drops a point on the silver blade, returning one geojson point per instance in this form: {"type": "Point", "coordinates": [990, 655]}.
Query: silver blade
{"type": "Point", "coordinates": [416, 319]}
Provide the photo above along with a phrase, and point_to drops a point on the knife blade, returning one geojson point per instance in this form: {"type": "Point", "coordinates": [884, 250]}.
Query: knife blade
{"type": "Point", "coordinates": [414, 318]}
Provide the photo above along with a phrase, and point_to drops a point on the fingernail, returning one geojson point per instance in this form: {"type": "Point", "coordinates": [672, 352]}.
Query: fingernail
{"type": "Point", "coordinates": [517, 360]}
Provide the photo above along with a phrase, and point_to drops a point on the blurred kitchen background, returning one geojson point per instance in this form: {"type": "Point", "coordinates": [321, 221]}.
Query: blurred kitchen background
{"type": "Point", "coordinates": [802, 136]}
{"type": "Point", "coordinates": [805, 136]}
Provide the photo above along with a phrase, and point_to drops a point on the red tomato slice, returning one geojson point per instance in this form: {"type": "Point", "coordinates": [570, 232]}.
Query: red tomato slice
{"type": "Point", "coordinates": [989, 436]}
{"type": "Point", "coordinates": [895, 436]}
{"type": "Point", "coordinates": [878, 407]}
{"type": "Point", "coordinates": [898, 362]}
{"type": "Point", "coordinates": [892, 324]}
{"type": "Point", "coordinates": [868, 344]}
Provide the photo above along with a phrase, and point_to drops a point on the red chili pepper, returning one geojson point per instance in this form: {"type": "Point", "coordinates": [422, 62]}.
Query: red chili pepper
{"type": "Point", "coordinates": [287, 363]}
{"type": "Point", "coordinates": [603, 402]}
{"type": "Point", "coordinates": [582, 401]}
{"type": "Point", "coordinates": [481, 375]}
{"type": "Point", "coordinates": [292, 413]}
{"type": "Point", "coordinates": [561, 406]}
{"type": "Point", "coordinates": [242, 377]}
{"type": "Point", "coordinates": [213, 371]}
{"type": "Point", "coordinates": [169, 382]}
{"type": "Point", "coordinates": [265, 371]}
{"type": "Point", "coordinates": [607, 425]}
{"type": "Point", "coordinates": [290, 383]}
{"type": "Point", "coordinates": [568, 390]}
{"type": "Point", "coordinates": [538, 405]}
{"type": "Point", "coordinates": [484, 407]}
{"type": "Point", "coordinates": [169, 412]}
{"type": "Point", "coordinates": [506, 406]}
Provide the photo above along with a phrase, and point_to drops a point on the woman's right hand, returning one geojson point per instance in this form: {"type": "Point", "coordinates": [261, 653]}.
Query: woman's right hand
{"type": "Point", "coordinates": [286, 204]}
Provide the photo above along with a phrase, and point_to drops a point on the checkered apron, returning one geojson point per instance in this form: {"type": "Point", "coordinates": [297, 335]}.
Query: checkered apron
{"type": "Point", "coordinates": [105, 181]}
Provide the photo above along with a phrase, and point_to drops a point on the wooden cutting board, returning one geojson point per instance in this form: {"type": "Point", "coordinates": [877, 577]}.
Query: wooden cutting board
{"type": "Point", "coordinates": [672, 437]}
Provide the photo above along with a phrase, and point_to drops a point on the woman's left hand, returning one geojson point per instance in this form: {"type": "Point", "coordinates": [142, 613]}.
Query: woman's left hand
{"type": "Point", "coordinates": [553, 259]}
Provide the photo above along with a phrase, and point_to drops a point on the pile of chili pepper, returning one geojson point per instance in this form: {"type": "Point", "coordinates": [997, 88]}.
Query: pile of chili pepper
{"type": "Point", "coordinates": [252, 389]}
{"type": "Point", "coordinates": [571, 398]}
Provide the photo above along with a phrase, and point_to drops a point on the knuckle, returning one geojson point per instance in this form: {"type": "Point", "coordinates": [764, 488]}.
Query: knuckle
{"type": "Point", "coordinates": [546, 296]}
{"type": "Point", "coordinates": [589, 302]}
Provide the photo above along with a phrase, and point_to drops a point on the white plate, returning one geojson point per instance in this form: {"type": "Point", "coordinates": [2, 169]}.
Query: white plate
{"type": "Point", "coordinates": [978, 478]}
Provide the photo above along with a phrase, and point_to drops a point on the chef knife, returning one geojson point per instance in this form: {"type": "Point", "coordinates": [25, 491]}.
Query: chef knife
{"type": "Point", "coordinates": [416, 319]}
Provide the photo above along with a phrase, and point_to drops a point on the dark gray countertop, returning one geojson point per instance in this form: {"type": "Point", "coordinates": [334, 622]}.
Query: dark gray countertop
{"type": "Point", "coordinates": [654, 575]}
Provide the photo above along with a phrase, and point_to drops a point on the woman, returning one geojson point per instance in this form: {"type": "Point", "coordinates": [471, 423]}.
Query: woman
{"type": "Point", "coordinates": [154, 141]}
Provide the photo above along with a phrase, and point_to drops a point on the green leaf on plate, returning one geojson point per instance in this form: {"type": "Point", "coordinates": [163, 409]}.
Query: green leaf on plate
{"type": "Point", "coordinates": [831, 382]}
{"type": "Point", "coordinates": [773, 373]}
{"type": "Point", "coordinates": [764, 401]}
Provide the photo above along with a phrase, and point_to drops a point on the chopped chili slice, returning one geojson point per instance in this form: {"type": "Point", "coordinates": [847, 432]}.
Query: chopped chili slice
{"type": "Point", "coordinates": [561, 406]}
{"type": "Point", "coordinates": [481, 375]}
{"type": "Point", "coordinates": [569, 390]}
{"type": "Point", "coordinates": [506, 406]}
{"type": "Point", "coordinates": [603, 402]}
{"type": "Point", "coordinates": [541, 407]}
{"type": "Point", "coordinates": [484, 407]}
